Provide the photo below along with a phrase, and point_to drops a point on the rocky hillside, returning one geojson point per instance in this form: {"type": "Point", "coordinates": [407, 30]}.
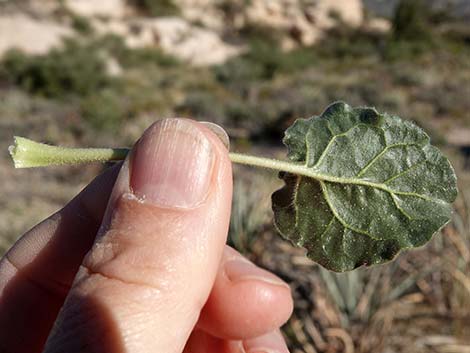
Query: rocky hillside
{"type": "Point", "coordinates": [199, 32]}
{"type": "Point", "coordinates": [196, 31]}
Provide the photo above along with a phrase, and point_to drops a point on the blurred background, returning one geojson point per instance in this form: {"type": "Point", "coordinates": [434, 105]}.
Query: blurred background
{"type": "Point", "coordinates": [97, 73]}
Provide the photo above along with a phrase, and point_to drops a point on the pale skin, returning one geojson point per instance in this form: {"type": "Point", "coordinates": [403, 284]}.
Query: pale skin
{"type": "Point", "coordinates": [127, 268]}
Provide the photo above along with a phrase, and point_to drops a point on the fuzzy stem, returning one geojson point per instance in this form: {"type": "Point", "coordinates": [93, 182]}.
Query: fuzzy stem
{"type": "Point", "coordinates": [28, 154]}
{"type": "Point", "coordinates": [264, 162]}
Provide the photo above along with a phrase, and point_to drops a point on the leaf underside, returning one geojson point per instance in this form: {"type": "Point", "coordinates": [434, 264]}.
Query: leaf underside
{"type": "Point", "coordinates": [379, 187]}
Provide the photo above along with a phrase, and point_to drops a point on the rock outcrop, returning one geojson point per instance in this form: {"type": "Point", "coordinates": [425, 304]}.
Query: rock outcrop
{"type": "Point", "coordinates": [196, 36]}
{"type": "Point", "coordinates": [33, 36]}
{"type": "Point", "coordinates": [305, 21]}
{"type": "Point", "coordinates": [300, 22]}
{"type": "Point", "coordinates": [101, 8]}
{"type": "Point", "coordinates": [175, 36]}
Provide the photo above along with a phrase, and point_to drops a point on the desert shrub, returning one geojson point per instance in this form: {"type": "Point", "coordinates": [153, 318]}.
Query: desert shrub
{"type": "Point", "coordinates": [409, 75]}
{"type": "Point", "coordinates": [104, 110]}
{"type": "Point", "coordinates": [133, 57]}
{"type": "Point", "coordinates": [396, 50]}
{"type": "Point", "coordinates": [231, 9]}
{"type": "Point", "coordinates": [81, 24]}
{"type": "Point", "coordinates": [239, 112]}
{"type": "Point", "coordinates": [77, 73]}
{"type": "Point", "coordinates": [419, 28]}
{"type": "Point", "coordinates": [344, 42]}
{"type": "Point", "coordinates": [71, 70]}
{"type": "Point", "coordinates": [265, 57]}
{"type": "Point", "coordinates": [202, 105]}
{"type": "Point", "coordinates": [458, 33]}
{"type": "Point", "coordinates": [274, 61]}
{"type": "Point", "coordinates": [256, 117]}
{"type": "Point", "coordinates": [253, 32]}
{"type": "Point", "coordinates": [156, 8]}
{"type": "Point", "coordinates": [277, 107]}
{"type": "Point", "coordinates": [236, 71]}
{"type": "Point", "coordinates": [146, 56]}
{"type": "Point", "coordinates": [410, 21]}
{"type": "Point", "coordinates": [262, 63]}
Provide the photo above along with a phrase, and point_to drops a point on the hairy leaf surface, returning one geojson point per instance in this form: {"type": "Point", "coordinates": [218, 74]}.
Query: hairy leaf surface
{"type": "Point", "coordinates": [375, 186]}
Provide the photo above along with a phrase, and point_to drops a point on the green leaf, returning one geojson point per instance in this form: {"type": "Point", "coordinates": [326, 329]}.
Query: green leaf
{"type": "Point", "coordinates": [372, 185]}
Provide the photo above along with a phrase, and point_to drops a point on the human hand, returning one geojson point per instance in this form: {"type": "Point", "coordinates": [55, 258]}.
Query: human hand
{"type": "Point", "coordinates": [137, 262]}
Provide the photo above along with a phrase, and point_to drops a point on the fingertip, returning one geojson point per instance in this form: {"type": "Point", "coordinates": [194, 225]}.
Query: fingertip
{"type": "Point", "coordinates": [272, 342]}
{"type": "Point", "coordinates": [242, 300]}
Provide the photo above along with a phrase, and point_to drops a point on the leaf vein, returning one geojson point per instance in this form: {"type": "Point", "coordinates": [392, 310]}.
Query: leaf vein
{"type": "Point", "coordinates": [401, 210]}
{"type": "Point", "coordinates": [404, 172]}
{"type": "Point", "coordinates": [328, 226]}
{"type": "Point", "coordinates": [333, 138]}
{"type": "Point", "coordinates": [385, 150]}
{"type": "Point", "coordinates": [300, 169]}
{"type": "Point", "coordinates": [340, 220]}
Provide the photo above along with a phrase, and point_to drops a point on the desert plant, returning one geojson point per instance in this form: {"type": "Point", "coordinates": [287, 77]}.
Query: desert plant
{"type": "Point", "coordinates": [371, 199]}
{"type": "Point", "coordinates": [410, 21]}
{"type": "Point", "coordinates": [60, 73]}
{"type": "Point", "coordinates": [156, 8]}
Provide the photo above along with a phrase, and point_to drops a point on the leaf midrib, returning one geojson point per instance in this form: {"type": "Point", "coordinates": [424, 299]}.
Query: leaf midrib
{"type": "Point", "coordinates": [303, 170]}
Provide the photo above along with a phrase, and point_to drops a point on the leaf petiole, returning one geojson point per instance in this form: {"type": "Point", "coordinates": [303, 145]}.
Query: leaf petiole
{"type": "Point", "coordinates": [27, 153]}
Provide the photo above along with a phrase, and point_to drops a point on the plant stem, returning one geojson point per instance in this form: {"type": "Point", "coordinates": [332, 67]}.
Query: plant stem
{"type": "Point", "coordinates": [264, 162]}
{"type": "Point", "coordinates": [27, 154]}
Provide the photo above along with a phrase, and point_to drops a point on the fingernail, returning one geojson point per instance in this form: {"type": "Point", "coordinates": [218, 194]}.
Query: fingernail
{"type": "Point", "coordinates": [243, 270]}
{"type": "Point", "coordinates": [272, 342]}
{"type": "Point", "coordinates": [171, 165]}
{"type": "Point", "coordinates": [219, 131]}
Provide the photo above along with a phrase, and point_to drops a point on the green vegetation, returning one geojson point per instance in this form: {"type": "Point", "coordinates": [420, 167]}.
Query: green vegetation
{"type": "Point", "coordinates": [81, 24]}
{"type": "Point", "coordinates": [411, 21]}
{"type": "Point", "coordinates": [78, 75]}
{"type": "Point", "coordinates": [156, 7]}
{"type": "Point", "coordinates": [261, 91]}
{"type": "Point", "coordinates": [73, 70]}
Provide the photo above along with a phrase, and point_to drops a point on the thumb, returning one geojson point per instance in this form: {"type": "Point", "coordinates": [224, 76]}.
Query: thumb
{"type": "Point", "coordinates": [144, 282]}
